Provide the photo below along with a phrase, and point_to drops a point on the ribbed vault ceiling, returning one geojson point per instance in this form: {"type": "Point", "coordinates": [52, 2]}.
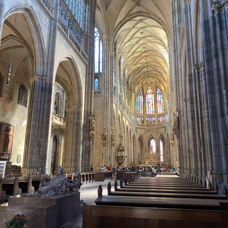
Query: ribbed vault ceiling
{"type": "Point", "coordinates": [140, 29]}
{"type": "Point", "coordinates": [142, 46]}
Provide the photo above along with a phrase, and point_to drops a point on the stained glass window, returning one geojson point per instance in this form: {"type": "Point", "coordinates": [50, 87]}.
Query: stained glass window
{"type": "Point", "coordinates": [160, 102]}
{"type": "Point", "coordinates": [161, 151]}
{"type": "Point", "coordinates": [149, 101]}
{"type": "Point", "coordinates": [139, 102]}
{"type": "Point", "coordinates": [161, 119]}
{"type": "Point", "coordinates": [96, 84]}
{"type": "Point", "coordinates": [140, 120]}
{"type": "Point", "coordinates": [150, 120]}
{"type": "Point", "coordinates": [98, 52]}
{"type": "Point", "coordinates": [153, 145]}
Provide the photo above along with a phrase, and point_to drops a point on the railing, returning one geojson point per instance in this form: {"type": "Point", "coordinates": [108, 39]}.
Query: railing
{"type": "Point", "coordinates": [72, 29]}
{"type": "Point", "coordinates": [72, 38]}
{"type": "Point", "coordinates": [97, 92]}
{"type": "Point", "coordinates": [58, 119]}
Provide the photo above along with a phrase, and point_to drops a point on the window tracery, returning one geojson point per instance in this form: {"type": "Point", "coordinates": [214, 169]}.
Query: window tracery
{"type": "Point", "coordinates": [139, 102]}
{"type": "Point", "coordinates": [154, 106]}
{"type": "Point", "coordinates": [160, 102]}
{"type": "Point", "coordinates": [149, 101]}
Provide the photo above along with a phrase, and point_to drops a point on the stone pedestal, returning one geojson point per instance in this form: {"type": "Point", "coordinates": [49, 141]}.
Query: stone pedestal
{"type": "Point", "coordinates": [42, 212]}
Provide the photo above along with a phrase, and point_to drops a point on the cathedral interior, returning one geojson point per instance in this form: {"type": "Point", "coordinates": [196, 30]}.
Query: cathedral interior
{"type": "Point", "coordinates": [131, 83]}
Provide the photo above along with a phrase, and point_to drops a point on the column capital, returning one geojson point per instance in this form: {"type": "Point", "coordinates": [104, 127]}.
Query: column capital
{"type": "Point", "coordinates": [202, 66]}
{"type": "Point", "coordinates": [37, 78]}
{"type": "Point", "coordinates": [217, 7]}
{"type": "Point", "coordinates": [224, 3]}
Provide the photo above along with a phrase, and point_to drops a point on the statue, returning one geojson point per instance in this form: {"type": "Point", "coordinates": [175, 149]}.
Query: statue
{"type": "Point", "coordinates": [58, 185]}
{"type": "Point", "coordinates": [104, 137]}
{"type": "Point", "coordinates": [176, 125]}
{"type": "Point", "coordinates": [172, 139]}
{"type": "Point", "coordinates": [113, 137]}
{"type": "Point", "coordinates": [120, 148]}
{"type": "Point", "coordinates": [92, 126]}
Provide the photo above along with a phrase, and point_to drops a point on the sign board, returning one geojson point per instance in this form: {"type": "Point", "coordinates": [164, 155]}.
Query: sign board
{"type": "Point", "coordinates": [2, 168]}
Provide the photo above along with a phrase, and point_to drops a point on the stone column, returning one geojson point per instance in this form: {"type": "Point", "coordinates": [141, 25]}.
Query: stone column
{"type": "Point", "coordinates": [89, 91]}
{"type": "Point", "coordinates": [38, 121]}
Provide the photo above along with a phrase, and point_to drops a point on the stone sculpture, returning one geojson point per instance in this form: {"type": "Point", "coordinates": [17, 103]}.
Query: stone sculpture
{"type": "Point", "coordinates": [104, 137]}
{"type": "Point", "coordinates": [58, 185]}
{"type": "Point", "coordinates": [172, 139]}
{"type": "Point", "coordinates": [113, 137]}
{"type": "Point", "coordinates": [176, 125]}
{"type": "Point", "coordinates": [92, 126]}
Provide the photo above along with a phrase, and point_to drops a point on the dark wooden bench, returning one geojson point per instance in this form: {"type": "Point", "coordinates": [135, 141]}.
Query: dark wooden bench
{"type": "Point", "coordinates": [182, 207]}
{"type": "Point", "coordinates": [165, 202]}
{"type": "Point", "coordinates": [147, 217]}
{"type": "Point", "coordinates": [145, 193]}
{"type": "Point", "coordinates": [17, 186]}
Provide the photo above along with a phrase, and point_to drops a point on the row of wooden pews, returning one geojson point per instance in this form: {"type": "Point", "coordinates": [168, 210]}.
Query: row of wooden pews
{"type": "Point", "coordinates": [16, 185]}
{"type": "Point", "coordinates": [161, 202]}
{"type": "Point", "coordinates": [12, 186]}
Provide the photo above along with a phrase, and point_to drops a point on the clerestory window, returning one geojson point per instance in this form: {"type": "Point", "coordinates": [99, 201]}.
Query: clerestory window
{"type": "Point", "coordinates": [98, 52]}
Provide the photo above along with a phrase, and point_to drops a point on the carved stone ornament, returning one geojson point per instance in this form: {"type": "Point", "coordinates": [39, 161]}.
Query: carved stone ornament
{"type": "Point", "coordinates": [113, 137]}
{"type": "Point", "coordinates": [176, 125]}
{"type": "Point", "coordinates": [92, 126]}
{"type": "Point", "coordinates": [104, 137]}
{"type": "Point", "coordinates": [58, 185]}
{"type": "Point", "coordinates": [120, 148]}
{"type": "Point", "coordinates": [217, 7]}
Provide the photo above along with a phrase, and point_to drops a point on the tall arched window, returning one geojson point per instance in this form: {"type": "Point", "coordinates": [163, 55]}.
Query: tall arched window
{"type": "Point", "coordinates": [96, 84]}
{"type": "Point", "coordinates": [161, 151]}
{"type": "Point", "coordinates": [160, 102]}
{"type": "Point", "coordinates": [98, 52]}
{"type": "Point", "coordinates": [153, 146]}
{"type": "Point", "coordinates": [22, 96]}
{"type": "Point", "coordinates": [1, 84]}
{"type": "Point", "coordinates": [149, 101]}
{"type": "Point", "coordinates": [139, 102]}
{"type": "Point", "coordinates": [58, 104]}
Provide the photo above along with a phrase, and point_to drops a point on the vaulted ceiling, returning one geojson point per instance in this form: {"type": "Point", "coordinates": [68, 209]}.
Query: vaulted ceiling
{"type": "Point", "coordinates": [140, 30]}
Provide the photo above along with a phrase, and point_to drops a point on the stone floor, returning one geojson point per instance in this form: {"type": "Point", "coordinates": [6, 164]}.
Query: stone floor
{"type": "Point", "coordinates": [88, 195]}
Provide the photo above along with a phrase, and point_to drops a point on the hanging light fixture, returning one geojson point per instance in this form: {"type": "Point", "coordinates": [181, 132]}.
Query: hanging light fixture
{"type": "Point", "coordinates": [9, 68]}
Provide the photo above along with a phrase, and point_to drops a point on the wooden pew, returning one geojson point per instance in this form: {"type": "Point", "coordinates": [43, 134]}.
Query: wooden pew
{"type": "Point", "coordinates": [168, 209]}
{"type": "Point", "coordinates": [184, 203]}
{"type": "Point", "coordinates": [119, 192]}
{"type": "Point", "coordinates": [147, 217]}
{"type": "Point", "coordinates": [17, 186]}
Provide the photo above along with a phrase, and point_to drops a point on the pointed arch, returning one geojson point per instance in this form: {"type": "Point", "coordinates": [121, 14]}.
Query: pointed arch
{"type": "Point", "coordinates": [37, 59]}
